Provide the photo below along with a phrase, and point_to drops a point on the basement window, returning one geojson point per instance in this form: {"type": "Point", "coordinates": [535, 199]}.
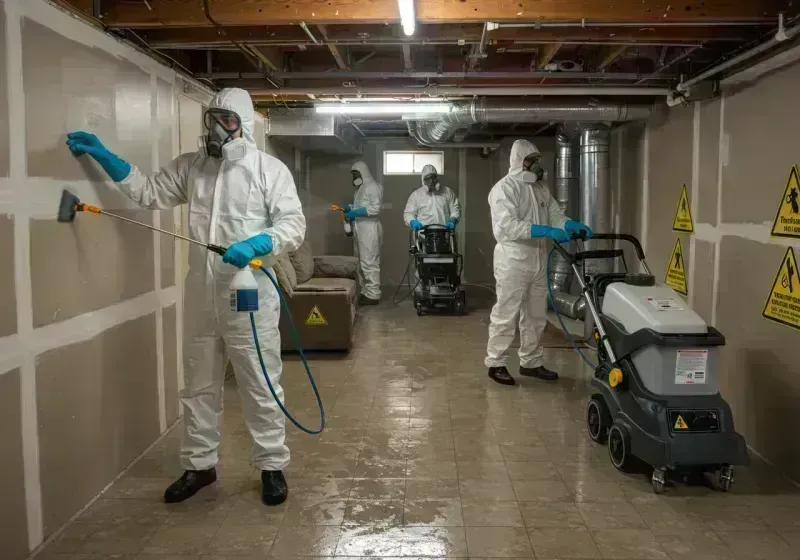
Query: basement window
{"type": "Point", "coordinates": [411, 163]}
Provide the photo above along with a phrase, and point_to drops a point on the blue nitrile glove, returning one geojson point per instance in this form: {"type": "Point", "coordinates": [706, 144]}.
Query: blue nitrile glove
{"type": "Point", "coordinates": [415, 225]}
{"type": "Point", "coordinates": [240, 254]}
{"type": "Point", "coordinates": [86, 143]}
{"type": "Point", "coordinates": [354, 213]}
{"type": "Point", "coordinates": [573, 226]}
{"type": "Point", "coordinates": [557, 235]}
{"type": "Point", "coordinates": [451, 224]}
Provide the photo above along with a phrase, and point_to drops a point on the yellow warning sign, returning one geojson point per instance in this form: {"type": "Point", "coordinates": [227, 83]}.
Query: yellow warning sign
{"type": "Point", "coordinates": [676, 271]}
{"type": "Point", "coordinates": [683, 215]}
{"type": "Point", "coordinates": [680, 423]}
{"type": "Point", "coordinates": [315, 317]}
{"type": "Point", "coordinates": [787, 219]}
{"type": "Point", "coordinates": [783, 304]}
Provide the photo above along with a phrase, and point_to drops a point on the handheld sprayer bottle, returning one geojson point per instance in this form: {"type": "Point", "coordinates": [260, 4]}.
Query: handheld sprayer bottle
{"type": "Point", "coordinates": [244, 291]}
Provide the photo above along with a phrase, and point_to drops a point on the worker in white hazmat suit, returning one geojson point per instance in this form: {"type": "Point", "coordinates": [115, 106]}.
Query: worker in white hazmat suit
{"type": "Point", "coordinates": [245, 200]}
{"type": "Point", "coordinates": [432, 203]}
{"type": "Point", "coordinates": [363, 213]}
{"type": "Point", "coordinates": [524, 216]}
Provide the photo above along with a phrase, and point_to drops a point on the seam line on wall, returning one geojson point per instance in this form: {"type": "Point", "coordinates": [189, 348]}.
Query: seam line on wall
{"type": "Point", "coordinates": [694, 197]}
{"type": "Point", "coordinates": [155, 130]}
{"type": "Point", "coordinates": [645, 188]}
{"type": "Point", "coordinates": [718, 241]}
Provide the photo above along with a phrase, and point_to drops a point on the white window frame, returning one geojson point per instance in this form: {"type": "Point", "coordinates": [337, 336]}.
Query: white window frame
{"type": "Point", "coordinates": [439, 168]}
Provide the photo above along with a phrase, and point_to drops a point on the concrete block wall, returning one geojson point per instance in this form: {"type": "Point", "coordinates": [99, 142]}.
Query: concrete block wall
{"type": "Point", "coordinates": [89, 311]}
{"type": "Point", "coordinates": [734, 154]}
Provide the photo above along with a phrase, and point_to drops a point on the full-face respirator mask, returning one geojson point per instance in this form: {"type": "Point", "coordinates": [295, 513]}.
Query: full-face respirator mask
{"type": "Point", "coordinates": [533, 171]}
{"type": "Point", "coordinates": [222, 126]}
{"type": "Point", "coordinates": [432, 182]}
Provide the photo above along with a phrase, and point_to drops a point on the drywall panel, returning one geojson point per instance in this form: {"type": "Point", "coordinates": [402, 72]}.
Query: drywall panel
{"type": "Point", "coordinates": [166, 115]}
{"type": "Point", "coordinates": [670, 163]}
{"type": "Point", "coordinates": [190, 114]}
{"type": "Point", "coordinates": [89, 264]}
{"type": "Point", "coordinates": [167, 250]}
{"type": "Point", "coordinates": [4, 135]}
{"type": "Point", "coordinates": [760, 366]}
{"type": "Point", "coordinates": [481, 175]}
{"type": "Point", "coordinates": [13, 521]}
{"type": "Point", "coordinates": [761, 124]}
{"type": "Point", "coordinates": [170, 356]}
{"type": "Point", "coordinates": [631, 140]}
{"type": "Point", "coordinates": [704, 279]}
{"type": "Point", "coordinates": [8, 297]}
{"type": "Point", "coordinates": [69, 86]}
{"type": "Point", "coordinates": [260, 133]}
{"type": "Point", "coordinates": [708, 152]}
{"type": "Point", "coordinates": [330, 183]}
{"type": "Point", "coordinates": [97, 405]}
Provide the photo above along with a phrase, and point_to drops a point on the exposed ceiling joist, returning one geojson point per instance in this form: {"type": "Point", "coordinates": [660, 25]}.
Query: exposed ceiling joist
{"type": "Point", "coordinates": [547, 53]}
{"type": "Point", "coordinates": [337, 56]}
{"type": "Point", "coordinates": [177, 13]}
{"type": "Point", "coordinates": [610, 54]}
{"type": "Point", "coordinates": [270, 56]}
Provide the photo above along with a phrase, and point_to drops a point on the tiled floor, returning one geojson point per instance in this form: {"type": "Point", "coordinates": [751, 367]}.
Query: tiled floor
{"type": "Point", "coordinates": [423, 456]}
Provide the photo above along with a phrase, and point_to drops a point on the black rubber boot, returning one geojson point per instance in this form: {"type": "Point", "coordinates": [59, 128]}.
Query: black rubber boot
{"type": "Point", "coordinates": [274, 489]}
{"type": "Point", "coordinates": [501, 375]}
{"type": "Point", "coordinates": [540, 372]}
{"type": "Point", "coordinates": [188, 485]}
{"type": "Point", "coordinates": [364, 300]}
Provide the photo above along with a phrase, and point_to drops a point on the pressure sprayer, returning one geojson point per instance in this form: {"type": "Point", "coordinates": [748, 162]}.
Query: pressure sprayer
{"type": "Point", "coordinates": [243, 296]}
{"type": "Point", "coordinates": [348, 227]}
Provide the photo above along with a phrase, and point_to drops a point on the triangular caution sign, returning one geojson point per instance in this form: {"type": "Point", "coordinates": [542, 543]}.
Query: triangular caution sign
{"type": "Point", "coordinates": [783, 304]}
{"type": "Point", "coordinates": [315, 317]}
{"type": "Point", "coordinates": [680, 423]}
{"type": "Point", "coordinates": [787, 219]}
{"type": "Point", "coordinates": [676, 271]}
{"type": "Point", "coordinates": [683, 215]}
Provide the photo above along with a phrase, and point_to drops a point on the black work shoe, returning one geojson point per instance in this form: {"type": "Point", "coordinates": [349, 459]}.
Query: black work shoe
{"type": "Point", "coordinates": [274, 489]}
{"type": "Point", "coordinates": [540, 372]}
{"type": "Point", "coordinates": [188, 485]}
{"type": "Point", "coordinates": [364, 300]}
{"type": "Point", "coordinates": [501, 375]}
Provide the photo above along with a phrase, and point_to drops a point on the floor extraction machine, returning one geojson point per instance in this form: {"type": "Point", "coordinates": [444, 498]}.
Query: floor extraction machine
{"type": "Point", "coordinates": [439, 265]}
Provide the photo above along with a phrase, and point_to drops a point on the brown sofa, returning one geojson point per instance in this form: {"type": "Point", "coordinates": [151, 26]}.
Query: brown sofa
{"type": "Point", "coordinates": [321, 295]}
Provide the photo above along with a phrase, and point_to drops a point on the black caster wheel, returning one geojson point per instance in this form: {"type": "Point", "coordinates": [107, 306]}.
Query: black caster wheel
{"type": "Point", "coordinates": [725, 478]}
{"type": "Point", "coordinates": [458, 306]}
{"type": "Point", "coordinates": [619, 448]}
{"type": "Point", "coordinates": [659, 480]}
{"type": "Point", "coordinates": [598, 420]}
{"type": "Point", "coordinates": [420, 310]}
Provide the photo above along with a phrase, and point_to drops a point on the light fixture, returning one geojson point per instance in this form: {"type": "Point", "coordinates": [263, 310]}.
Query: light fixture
{"type": "Point", "coordinates": [408, 19]}
{"type": "Point", "coordinates": [382, 109]}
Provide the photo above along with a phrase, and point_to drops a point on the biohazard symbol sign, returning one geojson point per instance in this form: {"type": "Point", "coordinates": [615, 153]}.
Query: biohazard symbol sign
{"type": "Point", "coordinates": [787, 219]}
{"type": "Point", "coordinates": [680, 424]}
{"type": "Point", "coordinates": [683, 215]}
{"type": "Point", "coordinates": [315, 317]}
{"type": "Point", "coordinates": [676, 271]}
{"type": "Point", "coordinates": [783, 304]}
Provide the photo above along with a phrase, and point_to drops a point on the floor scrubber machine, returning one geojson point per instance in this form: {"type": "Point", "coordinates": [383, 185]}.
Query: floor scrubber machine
{"type": "Point", "coordinates": [438, 264]}
{"type": "Point", "coordinates": [656, 396]}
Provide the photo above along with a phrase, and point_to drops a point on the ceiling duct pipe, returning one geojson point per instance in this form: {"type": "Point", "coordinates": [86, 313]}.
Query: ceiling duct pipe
{"type": "Point", "coordinates": [505, 111]}
{"type": "Point", "coordinates": [413, 131]}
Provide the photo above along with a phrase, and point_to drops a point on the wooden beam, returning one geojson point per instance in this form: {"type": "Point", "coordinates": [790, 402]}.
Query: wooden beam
{"type": "Point", "coordinates": [610, 54]}
{"type": "Point", "coordinates": [547, 53]}
{"type": "Point", "coordinates": [408, 62]}
{"type": "Point", "coordinates": [270, 56]}
{"type": "Point", "coordinates": [337, 56]}
{"type": "Point", "coordinates": [178, 13]}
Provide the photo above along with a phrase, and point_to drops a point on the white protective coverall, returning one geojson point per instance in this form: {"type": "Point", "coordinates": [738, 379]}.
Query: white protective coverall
{"type": "Point", "coordinates": [520, 262]}
{"type": "Point", "coordinates": [242, 194]}
{"type": "Point", "coordinates": [431, 208]}
{"type": "Point", "coordinates": [368, 232]}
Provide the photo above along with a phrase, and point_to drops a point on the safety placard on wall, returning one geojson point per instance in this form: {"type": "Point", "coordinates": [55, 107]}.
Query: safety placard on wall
{"type": "Point", "coordinates": [676, 271]}
{"type": "Point", "coordinates": [783, 303]}
{"type": "Point", "coordinates": [315, 317]}
{"type": "Point", "coordinates": [683, 215]}
{"type": "Point", "coordinates": [787, 218]}
{"type": "Point", "coordinates": [690, 367]}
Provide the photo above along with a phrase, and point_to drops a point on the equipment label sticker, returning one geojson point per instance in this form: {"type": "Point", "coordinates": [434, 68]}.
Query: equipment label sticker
{"type": "Point", "coordinates": [315, 317]}
{"type": "Point", "coordinates": [680, 424]}
{"type": "Point", "coordinates": [787, 218]}
{"type": "Point", "coordinates": [783, 303]}
{"type": "Point", "coordinates": [683, 215]}
{"type": "Point", "coordinates": [668, 304]}
{"type": "Point", "coordinates": [690, 367]}
{"type": "Point", "coordinates": [676, 271]}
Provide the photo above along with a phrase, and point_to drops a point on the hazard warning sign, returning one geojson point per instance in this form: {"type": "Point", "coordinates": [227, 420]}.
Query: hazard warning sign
{"type": "Point", "coordinates": [783, 304]}
{"type": "Point", "coordinates": [676, 271]}
{"type": "Point", "coordinates": [683, 215]}
{"type": "Point", "coordinates": [787, 218]}
{"type": "Point", "coordinates": [315, 317]}
{"type": "Point", "coordinates": [680, 424]}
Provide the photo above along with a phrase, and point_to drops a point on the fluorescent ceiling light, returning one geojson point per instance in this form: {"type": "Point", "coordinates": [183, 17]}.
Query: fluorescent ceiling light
{"type": "Point", "coordinates": [383, 109]}
{"type": "Point", "coordinates": [408, 19]}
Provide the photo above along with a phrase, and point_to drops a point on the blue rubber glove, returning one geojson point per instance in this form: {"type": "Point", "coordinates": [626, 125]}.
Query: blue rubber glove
{"type": "Point", "coordinates": [557, 235]}
{"type": "Point", "coordinates": [415, 225]}
{"type": "Point", "coordinates": [354, 213]}
{"type": "Point", "coordinates": [572, 226]}
{"type": "Point", "coordinates": [240, 254]}
{"type": "Point", "coordinates": [86, 143]}
{"type": "Point", "coordinates": [451, 224]}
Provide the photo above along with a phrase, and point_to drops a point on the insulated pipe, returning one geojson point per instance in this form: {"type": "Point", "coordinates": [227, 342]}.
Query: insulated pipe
{"type": "Point", "coordinates": [413, 132]}
{"type": "Point", "coordinates": [569, 305]}
{"type": "Point", "coordinates": [436, 91]}
{"type": "Point", "coordinates": [566, 194]}
{"type": "Point", "coordinates": [641, 24]}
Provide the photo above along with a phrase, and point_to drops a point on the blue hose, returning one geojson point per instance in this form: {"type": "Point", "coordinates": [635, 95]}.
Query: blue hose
{"type": "Point", "coordinates": [302, 357]}
{"type": "Point", "coordinates": [558, 315]}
